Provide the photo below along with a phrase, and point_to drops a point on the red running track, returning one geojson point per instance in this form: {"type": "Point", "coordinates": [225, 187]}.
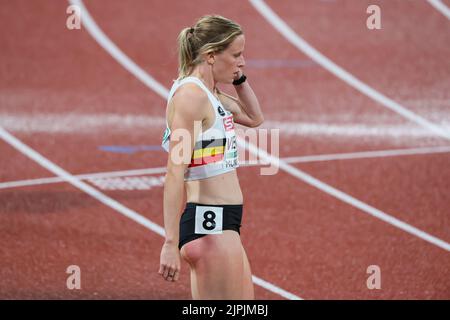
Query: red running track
{"type": "Point", "coordinates": [65, 97]}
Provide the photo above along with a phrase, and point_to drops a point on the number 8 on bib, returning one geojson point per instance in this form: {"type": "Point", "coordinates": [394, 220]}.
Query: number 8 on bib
{"type": "Point", "coordinates": [208, 220]}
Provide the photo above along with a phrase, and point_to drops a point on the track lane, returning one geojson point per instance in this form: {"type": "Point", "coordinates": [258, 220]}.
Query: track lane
{"type": "Point", "coordinates": [403, 61]}
{"type": "Point", "coordinates": [46, 229]}
{"type": "Point", "coordinates": [250, 184]}
{"type": "Point", "coordinates": [419, 198]}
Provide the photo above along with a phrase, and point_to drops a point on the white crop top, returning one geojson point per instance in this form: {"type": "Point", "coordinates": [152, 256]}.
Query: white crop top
{"type": "Point", "coordinates": [215, 150]}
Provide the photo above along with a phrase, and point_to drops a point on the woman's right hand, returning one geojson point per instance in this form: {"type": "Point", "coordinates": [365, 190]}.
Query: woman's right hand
{"type": "Point", "coordinates": [169, 266]}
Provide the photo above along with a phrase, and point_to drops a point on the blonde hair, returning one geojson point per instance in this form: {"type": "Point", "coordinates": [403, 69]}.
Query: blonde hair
{"type": "Point", "coordinates": [211, 33]}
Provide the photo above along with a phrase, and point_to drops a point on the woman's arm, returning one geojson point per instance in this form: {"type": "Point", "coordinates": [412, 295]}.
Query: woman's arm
{"type": "Point", "coordinates": [246, 109]}
{"type": "Point", "coordinates": [188, 107]}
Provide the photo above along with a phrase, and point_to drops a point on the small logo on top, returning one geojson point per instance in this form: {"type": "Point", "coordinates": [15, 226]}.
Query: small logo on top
{"type": "Point", "coordinates": [220, 110]}
{"type": "Point", "coordinates": [228, 123]}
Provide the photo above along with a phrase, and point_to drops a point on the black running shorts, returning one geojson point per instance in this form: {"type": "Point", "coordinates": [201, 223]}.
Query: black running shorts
{"type": "Point", "coordinates": [199, 220]}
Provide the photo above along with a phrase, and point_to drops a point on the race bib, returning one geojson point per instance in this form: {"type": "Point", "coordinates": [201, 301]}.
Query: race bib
{"type": "Point", "coordinates": [208, 220]}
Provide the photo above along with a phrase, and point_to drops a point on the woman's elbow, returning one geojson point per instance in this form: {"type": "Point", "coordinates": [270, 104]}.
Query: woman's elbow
{"type": "Point", "coordinates": [257, 122]}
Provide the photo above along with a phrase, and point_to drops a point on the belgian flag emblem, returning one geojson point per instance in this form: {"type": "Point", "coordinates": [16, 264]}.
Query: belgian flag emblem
{"type": "Point", "coordinates": [208, 151]}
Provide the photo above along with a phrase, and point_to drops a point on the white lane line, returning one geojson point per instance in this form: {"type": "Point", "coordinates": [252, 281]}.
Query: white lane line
{"type": "Point", "coordinates": [92, 123]}
{"type": "Point", "coordinates": [270, 287]}
{"type": "Point", "coordinates": [299, 174]}
{"type": "Point", "coordinates": [66, 176]}
{"type": "Point", "coordinates": [400, 132]}
{"type": "Point", "coordinates": [117, 54]}
{"type": "Point", "coordinates": [317, 183]}
{"type": "Point", "coordinates": [86, 176]}
{"type": "Point", "coordinates": [77, 123]}
{"type": "Point", "coordinates": [29, 182]}
{"type": "Point", "coordinates": [111, 48]}
{"type": "Point", "coordinates": [441, 7]}
{"type": "Point", "coordinates": [367, 154]}
{"type": "Point", "coordinates": [339, 72]}
{"type": "Point", "coordinates": [299, 159]}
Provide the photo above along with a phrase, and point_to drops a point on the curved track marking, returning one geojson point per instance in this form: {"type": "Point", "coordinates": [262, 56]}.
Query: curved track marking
{"type": "Point", "coordinates": [339, 72]}
{"type": "Point", "coordinates": [275, 161]}
{"type": "Point", "coordinates": [441, 7]}
{"type": "Point", "coordinates": [118, 54]}
{"type": "Point", "coordinates": [86, 176]}
{"type": "Point", "coordinates": [66, 176]}
{"type": "Point", "coordinates": [299, 159]}
{"type": "Point", "coordinates": [97, 123]}
{"type": "Point", "coordinates": [133, 215]}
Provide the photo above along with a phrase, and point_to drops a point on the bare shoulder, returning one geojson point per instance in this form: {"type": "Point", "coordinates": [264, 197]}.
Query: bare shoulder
{"type": "Point", "coordinates": [188, 104]}
{"type": "Point", "coordinates": [190, 101]}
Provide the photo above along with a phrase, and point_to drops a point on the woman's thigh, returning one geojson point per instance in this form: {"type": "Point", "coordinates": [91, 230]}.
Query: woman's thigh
{"type": "Point", "coordinates": [220, 265]}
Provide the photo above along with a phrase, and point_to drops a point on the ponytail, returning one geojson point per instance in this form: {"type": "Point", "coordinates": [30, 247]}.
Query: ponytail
{"type": "Point", "coordinates": [186, 54]}
{"type": "Point", "coordinates": [211, 33]}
